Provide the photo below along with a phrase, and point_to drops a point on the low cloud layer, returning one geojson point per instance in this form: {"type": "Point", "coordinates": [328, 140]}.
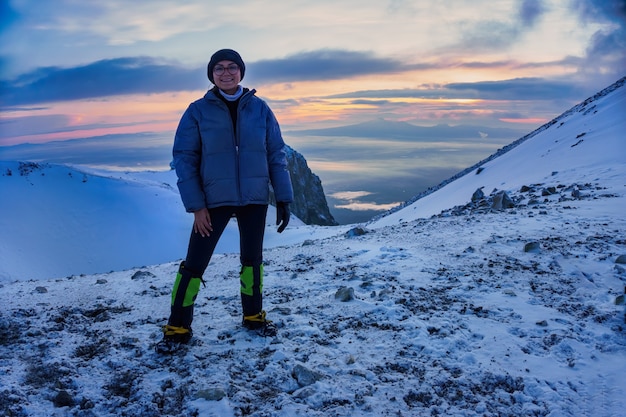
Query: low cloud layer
{"type": "Point", "coordinates": [110, 77]}
{"type": "Point", "coordinates": [145, 75]}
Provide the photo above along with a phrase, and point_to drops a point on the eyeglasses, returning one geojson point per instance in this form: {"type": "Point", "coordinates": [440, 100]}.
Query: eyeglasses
{"type": "Point", "coordinates": [232, 69]}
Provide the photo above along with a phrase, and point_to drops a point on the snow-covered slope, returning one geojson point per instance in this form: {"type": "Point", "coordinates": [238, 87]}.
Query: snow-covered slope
{"type": "Point", "coordinates": [57, 221]}
{"type": "Point", "coordinates": [476, 311]}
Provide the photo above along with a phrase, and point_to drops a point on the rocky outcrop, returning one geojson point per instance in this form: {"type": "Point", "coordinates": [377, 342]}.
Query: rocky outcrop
{"type": "Point", "coordinates": [310, 203]}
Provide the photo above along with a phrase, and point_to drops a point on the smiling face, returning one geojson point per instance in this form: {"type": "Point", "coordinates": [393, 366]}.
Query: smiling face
{"type": "Point", "coordinates": [227, 82]}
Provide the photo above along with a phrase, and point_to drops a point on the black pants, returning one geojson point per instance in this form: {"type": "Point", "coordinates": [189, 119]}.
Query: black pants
{"type": "Point", "coordinates": [251, 224]}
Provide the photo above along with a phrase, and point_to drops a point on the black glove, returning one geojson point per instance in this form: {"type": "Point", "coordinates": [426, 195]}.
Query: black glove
{"type": "Point", "coordinates": [282, 216]}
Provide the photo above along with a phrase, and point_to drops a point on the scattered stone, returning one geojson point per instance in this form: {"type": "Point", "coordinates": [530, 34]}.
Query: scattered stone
{"type": "Point", "coordinates": [63, 399]}
{"type": "Point", "coordinates": [211, 394]}
{"type": "Point", "coordinates": [142, 274]}
{"type": "Point", "coordinates": [304, 376]}
{"type": "Point", "coordinates": [478, 195]}
{"type": "Point", "coordinates": [533, 247]}
{"type": "Point", "coordinates": [101, 281]}
{"type": "Point", "coordinates": [305, 392]}
{"type": "Point", "coordinates": [502, 201]}
{"type": "Point", "coordinates": [621, 259]}
{"type": "Point", "coordinates": [41, 290]}
{"type": "Point", "coordinates": [542, 323]}
{"type": "Point", "coordinates": [344, 294]}
{"type": "Point", "coordinates": [356, 231]}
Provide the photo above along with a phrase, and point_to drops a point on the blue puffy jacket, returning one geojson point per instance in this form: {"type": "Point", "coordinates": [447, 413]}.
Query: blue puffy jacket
{"type": "Point", "coordinates": [216, 168]}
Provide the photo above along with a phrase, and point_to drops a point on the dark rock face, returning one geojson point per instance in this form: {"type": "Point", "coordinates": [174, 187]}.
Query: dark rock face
{"type": "Point", "coordinates": [309, 203]}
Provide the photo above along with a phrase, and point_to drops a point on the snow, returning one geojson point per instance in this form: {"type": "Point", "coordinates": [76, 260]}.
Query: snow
{"type": "Point", "coordinates": [450, 315]}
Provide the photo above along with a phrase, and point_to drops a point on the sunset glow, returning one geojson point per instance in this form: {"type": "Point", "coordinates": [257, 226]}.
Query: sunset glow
{"type": "Point", "coordinates": [79, 70]}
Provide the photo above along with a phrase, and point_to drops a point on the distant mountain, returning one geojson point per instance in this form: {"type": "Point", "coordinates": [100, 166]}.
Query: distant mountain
{"type": "Point", "coordinates": [384, 129]}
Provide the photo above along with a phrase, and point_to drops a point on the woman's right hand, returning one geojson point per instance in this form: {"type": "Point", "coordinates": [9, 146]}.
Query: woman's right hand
{"type": "Point", "coordinates": [202, 222]}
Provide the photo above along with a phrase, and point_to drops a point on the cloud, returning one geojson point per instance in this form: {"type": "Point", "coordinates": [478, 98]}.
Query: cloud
{"type": "Point", "coordinates": [117, 22]}
{"type": "Point", "coordinates": [489, 35]}
{"type": "Point", "coordinates": [31, 125]}
{"type": "Point", "coordinates": [601, 10]}
{"type": "Point", "coordinates": [146, 75]}
{"type": "Point", "coordinates": [105, 78]}
{"type": "Point", "coordinates": [530, 12]}
{"type": "Point", "coordinates": [517, 89]}
{"type": "Point", "coordinates": [606, 52]}
{"type": "Point", "coordinates": [370, 102]}
{"type": "Point", "coordinates": [513, 89]}
{"type": "Point", "coordinates": [324, 64]}
{"type": "Point", "coordinates": [501, 33]}
{"type": "Point", "coordinates": [358, 206]}
{"type": "Point", "coordinates": [352, 202]}
{"type": "Point", "coordinates": [350, 195]}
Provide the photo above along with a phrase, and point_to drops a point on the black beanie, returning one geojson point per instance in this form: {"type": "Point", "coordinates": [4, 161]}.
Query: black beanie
{"type": "Point", "coordinates": [225, 55]}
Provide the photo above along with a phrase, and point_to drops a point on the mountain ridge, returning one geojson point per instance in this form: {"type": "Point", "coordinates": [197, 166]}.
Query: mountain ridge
{"type": "Point", "coordinates": [399, 130]}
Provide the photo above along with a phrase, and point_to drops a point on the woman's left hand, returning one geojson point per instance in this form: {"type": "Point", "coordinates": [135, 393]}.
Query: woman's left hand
{"type": "Point", "coordinates": [282, 215]}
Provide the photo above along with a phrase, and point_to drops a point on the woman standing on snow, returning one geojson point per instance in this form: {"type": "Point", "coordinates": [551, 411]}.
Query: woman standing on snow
{"type": "Point", "coordinates": [227, 150]}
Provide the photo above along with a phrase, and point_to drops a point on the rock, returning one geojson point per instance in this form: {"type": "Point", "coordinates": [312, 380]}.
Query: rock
{"type": "Point", "coordinates": [525, 189]}
{"type": "Point", "coordinates": [41, 290]}
{"type": "Point", "coordinates": [478, 195]}
{"type": "Point", "coordinates": [211, 394]}
{"type": "Point", "coordinates": [304, 376]}
{"type": "Point", "coordinates": [533, 247]}
{"type": "Point", "coordinates": [344, 294]}
{"type": "Point", "coordinates": [502, 201]}
{"type": "Point", "coordinates": [621, 259]}
{"type": "Point", "coordinates": [356, 231]}
{"type": "Point", "coordinates": [63, 399]}
{"type": "Point", "coordinates": [309, 203]}
{"type": "Point", "coordinates": [305, 392]}
{"type": "Point", "coordinates": [142, 275]}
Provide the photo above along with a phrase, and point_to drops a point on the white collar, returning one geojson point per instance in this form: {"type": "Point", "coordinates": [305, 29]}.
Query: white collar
{"type": "Point", "coordinates": [233, 97]}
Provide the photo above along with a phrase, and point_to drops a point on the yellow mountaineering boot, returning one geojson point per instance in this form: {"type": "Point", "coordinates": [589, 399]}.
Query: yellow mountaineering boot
{"type": "Point", "coordinates": [260, 324]}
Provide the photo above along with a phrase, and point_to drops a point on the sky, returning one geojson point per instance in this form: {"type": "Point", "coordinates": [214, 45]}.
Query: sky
{"type": "Point", "coordinates": [73, 69]}
{"type": "Point", "coordinates": [127, 70]}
